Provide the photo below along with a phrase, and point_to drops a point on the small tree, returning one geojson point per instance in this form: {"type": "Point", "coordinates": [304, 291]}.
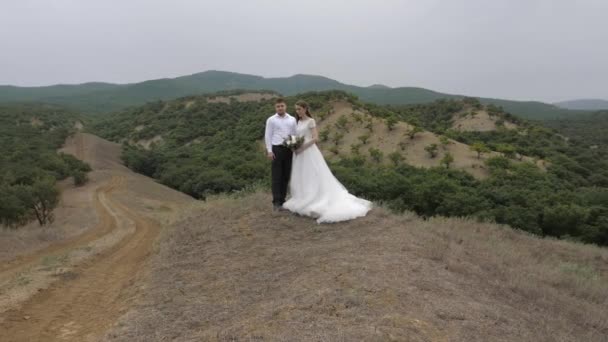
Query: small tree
{"type": "Point", "coordinates": [391, 121]}
{"type": "Point", "coordinates": [396, 158]}
{"type": "Point", "coordinates": [321, 116]}
{"type": "Point", "coordinates": [324, 134]}
{"type": "Point", "coordinates": [337, 139]}
{"type": "Point", "coordinates": [431, 150]}
{"type": "Point", "coordinates": [41, 197]}
{"type": "Point", "coordinates": [444, 142]}
{"type": "Point", "coordinates": [370, 124]}
{"type": "Point", "coordinates": [480, 148]}
{"type": "Point", "coordinates": [80, 178]}
{"type": "Point", "coordinates": [413, 131]}
{"type": "Point", "coordinates": [498, 163]}
{"type": "Point", "coordinates": [364, 138]}
{"type": "Point", "coordinates": [447, 160]}
{"type": "Point", "coordinates": [357, 117]}
{"type": "Point", "coordinates": [342, 123]}
{"type": "Point", "coordinates": [507, 150]}
{"type": "Point", "coordinates": [376, 155]}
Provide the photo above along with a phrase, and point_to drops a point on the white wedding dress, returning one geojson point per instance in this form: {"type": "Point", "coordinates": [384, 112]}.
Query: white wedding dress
{"type": "Point", "coordinates": [315, 191]}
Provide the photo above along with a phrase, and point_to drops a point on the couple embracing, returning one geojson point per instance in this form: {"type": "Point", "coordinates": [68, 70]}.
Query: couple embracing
{"type": "Point", "coordinates": [314, 190]}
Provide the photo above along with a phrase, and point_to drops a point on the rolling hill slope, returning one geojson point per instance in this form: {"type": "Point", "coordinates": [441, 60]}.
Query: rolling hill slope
{"type": "Point", "coordinates": [103, 97]}
{"type": "Point", "coordinates": [584, 104]}
{"type": "Point", "coordinates": [237, 271]}
{"type": "Point", "coordinates": [203, 145]}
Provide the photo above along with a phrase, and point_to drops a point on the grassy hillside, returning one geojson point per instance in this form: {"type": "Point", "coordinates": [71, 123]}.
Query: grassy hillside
{"type": "Point", "coordinates": [201, 146]}
{"type": "Point", "coordinates": [101, 97]}
{"type": "Point", "coordinates": [237, 271]}
{"type": "Point", "coordinates": [30, 135]}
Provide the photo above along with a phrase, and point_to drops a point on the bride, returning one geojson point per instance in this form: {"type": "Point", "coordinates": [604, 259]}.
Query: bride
{"type": "Point", "coordinates": [314, 190]}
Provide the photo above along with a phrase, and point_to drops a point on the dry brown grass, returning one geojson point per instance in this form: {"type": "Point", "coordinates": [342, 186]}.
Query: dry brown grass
{"type": "Point", "coordinates": [238, 272]}
{"type": "Point", "coordinates": [479, 121]}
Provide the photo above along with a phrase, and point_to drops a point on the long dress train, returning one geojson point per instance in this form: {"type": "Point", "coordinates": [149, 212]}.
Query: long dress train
{"type": "Point", "coordinates": [314, 189]}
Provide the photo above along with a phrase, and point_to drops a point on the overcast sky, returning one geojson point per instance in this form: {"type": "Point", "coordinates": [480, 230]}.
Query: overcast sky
{"type": "Point", "coordinates": [548, 50]}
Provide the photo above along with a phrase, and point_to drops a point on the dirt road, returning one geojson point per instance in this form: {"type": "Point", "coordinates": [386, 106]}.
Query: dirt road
{"type": "Point", "coordinates": [83, 302]}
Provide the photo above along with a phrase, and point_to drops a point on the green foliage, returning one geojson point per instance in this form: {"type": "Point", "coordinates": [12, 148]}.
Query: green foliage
{"type": "Point", "coordinates": [507, 150]}
{"type": "Point", "coordinates": [499, 163]}
{"type": "Point", "coordinates": [431, 150]}
{"type": "Point", "coordinates": [324, 134]}
{"type": "Point", "coordinates": [376, 155]}
{"type": "Point", "coordinates": [41, 198]}
{"type": "Point", "coordinates": [413, 131]}
{"type": "Point", "coordinates": [337, 138]}
{"type": "Point", "coordinates": [564, 219]}
{"type": "Point", "coordinates": [370, 124]}
{"type": "Point", "coordinates": [342, 123]}
{"type": "Point", "coordinates": [402, 145]}
{"type": "Point", "coordinates": [104, 97]}
{"type": "Point", "coordinates": [447, 160]}
{"type": "Point", "coordinates": [364, 138]}
{"type": "Point", "coordinates": [445, 141]}
{"type": "Point", "coordinates": [228, 157]}
{"type": "Point", "coordinates": [358, 117]}
{"type": "Point", "coordinates": [396, 158]}
{"type": "Point", "coordinates": [480, 148]}
{"type": "Point", "coordinates": [391, 121]}
{"type": "Point", "coordinates": [80, 178]}
{"type": "Point", "coordinates": [321, 115]}
{"type": "Point", "coordinates": [30, 135]}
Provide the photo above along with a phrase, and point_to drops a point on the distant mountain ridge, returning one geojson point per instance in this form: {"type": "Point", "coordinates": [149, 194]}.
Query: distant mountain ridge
{"type": "Point", "coordinates": [97, 97]}
{"type": "Point", "coordinates": [584, 104]}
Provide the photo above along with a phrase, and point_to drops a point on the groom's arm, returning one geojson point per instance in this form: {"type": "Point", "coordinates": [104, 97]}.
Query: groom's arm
{"type": "Point", "coordinates": [268, 139]}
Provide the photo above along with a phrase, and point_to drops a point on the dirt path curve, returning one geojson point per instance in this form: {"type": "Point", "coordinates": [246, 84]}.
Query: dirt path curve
{"type": "Point", "coordinates": [89, 298]}
{"type": "Point", "coordinates": [105, 226]}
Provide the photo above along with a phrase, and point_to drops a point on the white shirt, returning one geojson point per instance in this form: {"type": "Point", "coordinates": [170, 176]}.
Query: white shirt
{"type": "Point", "coordinates": [278, 128]}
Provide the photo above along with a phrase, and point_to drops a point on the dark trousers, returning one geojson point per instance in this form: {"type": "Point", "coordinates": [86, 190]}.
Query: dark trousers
{"type": "Point", "coordinates": [281, 171]}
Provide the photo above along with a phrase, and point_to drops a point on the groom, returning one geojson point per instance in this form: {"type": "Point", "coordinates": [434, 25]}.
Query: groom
{"type": "Point", "coordinates": [278, 127]}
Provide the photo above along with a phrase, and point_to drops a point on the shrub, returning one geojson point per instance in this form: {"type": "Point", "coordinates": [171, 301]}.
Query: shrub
{"type": "Point", "coordinates": [431, 150]}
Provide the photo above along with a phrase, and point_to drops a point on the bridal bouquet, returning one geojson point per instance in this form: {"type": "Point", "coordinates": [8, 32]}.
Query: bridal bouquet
{"type": "Point", "coordinates": [293, 142]}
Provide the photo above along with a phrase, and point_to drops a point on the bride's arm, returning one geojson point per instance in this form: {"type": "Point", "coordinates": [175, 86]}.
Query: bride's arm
{"type": "Point", "coordinates": [315, 138]}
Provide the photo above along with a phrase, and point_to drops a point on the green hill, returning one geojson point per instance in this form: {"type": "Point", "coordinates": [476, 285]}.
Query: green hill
{"type": "Point", "coordinates": [104, 97]}
{"type": "Point", "coordinates": [589, 130]}
{"type": "Point", "coordinates": [202, 146]}
{"type": "Point", "coordinates": [30, 166]}
{"type": "Point", "coordinates": [584, 104]}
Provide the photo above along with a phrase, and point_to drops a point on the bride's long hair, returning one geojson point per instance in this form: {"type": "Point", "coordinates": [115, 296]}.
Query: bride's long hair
{"type": "Point", "coordinates": [303, 104]}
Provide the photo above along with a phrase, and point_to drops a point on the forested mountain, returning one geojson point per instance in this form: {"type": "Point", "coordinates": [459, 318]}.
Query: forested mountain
{"type": "Point", "coordinates": [589, 130]}
{"type": "Point", "coordinates": [103, 97]}
{"type": "Point", "coordinates": [209, 144]}
{"type": "Point", "coordinates": [584, 104]}
{"type": "Point", "coordinates": [30, 166]}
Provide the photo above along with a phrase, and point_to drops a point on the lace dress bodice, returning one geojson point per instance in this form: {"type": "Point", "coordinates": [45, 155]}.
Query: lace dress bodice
{"type": "Point", "coordinates": [304, 128]}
